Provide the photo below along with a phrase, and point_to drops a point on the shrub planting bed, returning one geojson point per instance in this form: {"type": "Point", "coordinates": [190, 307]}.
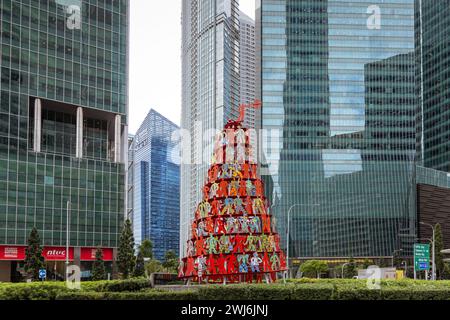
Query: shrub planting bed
{"type": "Point", "coordinates": [301, 289]}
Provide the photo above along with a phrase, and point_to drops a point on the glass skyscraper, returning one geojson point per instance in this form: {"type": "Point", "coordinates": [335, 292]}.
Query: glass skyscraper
{"type": "Point", "coordinates": [63, 120]}
{"type": "Point", "coordinates": [156, 185]}
{"type": "Point", "coordinates": [338, 90]}
{"type": "Point", "coordinates": [432, 50]}
{"type": "Point", "coordinates": [247, 67]}
{"type": "Point", "coordinates": [210, 91]}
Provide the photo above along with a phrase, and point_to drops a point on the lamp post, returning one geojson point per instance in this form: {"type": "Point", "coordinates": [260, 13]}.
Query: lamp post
{"type": "Point", "coordinates": [433, 267]}
{"type": "Point", "coordinates": [288, 229]}
{"type": "Point", "coordinates": [343, 266]}
{"type": "Point", "coordinates": [67, 236]}
{"type": "Point", "coordinates": [393, 255]}
{"type": "Point", "coordinates": [406, 268]}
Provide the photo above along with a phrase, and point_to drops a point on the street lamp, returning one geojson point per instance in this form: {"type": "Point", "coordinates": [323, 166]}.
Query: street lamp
{"type": "Point", "coordinates": [288, 226]}
{"type": "Point", "coordinates": [67, 236]}
{"type": "Point", "coordinates": [406, 268]}
{"type": "Point", "coordinates": [433, 270]}
{"type": "Point", "coordinates": [393, 255]}
{"type": "Point", "coordinates": [343, 266]}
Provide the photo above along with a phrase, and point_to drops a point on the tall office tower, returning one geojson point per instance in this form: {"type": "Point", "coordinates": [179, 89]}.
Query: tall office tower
{"type": "Point", "coordinates": [63, 128]}
{"type": "Point", "coordinates": [210, 91]}
{"type": "Point", "coordinates": [432, 49]}
{"type": "Point", "coordinates": [130, 177]}
{"type": "Point", "coordinates": [156, 185]}
{"type": "Point", "coordinates": [247, 67]}
{"type": "Point", "coordinates": [337, 85]}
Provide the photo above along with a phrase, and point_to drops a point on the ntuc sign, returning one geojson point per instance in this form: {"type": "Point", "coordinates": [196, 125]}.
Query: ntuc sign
{"type": "Point", "coordinates": [56, 253]}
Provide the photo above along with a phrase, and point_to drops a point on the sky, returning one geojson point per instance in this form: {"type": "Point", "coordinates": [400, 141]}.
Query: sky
{"type": "Point", "coordinates": [155, 58]}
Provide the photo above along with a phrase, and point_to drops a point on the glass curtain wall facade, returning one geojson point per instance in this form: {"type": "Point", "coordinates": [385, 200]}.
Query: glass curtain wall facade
{"type": "Point", "coordinates": [338, 90]}
{"type": "Point", "coordinates": [61, 60]}
{"type": "Point", "coordinates": [156, 185]}
{"type": "Point", "coordinates": [433, 48]}
{"type": "Point", "coordinates": [130, 177]}
{"type": "Point", "coordinates": [247, 67]}
{"type": "Point", "coordinates": [210, 91]}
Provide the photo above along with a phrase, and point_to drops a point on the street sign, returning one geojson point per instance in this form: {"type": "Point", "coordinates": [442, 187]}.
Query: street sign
{"type": "Point", "coordinates": [42, 273]}
{"type": "Point", "coordinates": [422, 256]}
{"type": "Point", "coordinates": [423, 266]}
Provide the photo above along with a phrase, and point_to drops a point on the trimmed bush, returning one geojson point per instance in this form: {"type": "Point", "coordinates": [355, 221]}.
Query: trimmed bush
{"type": "Point", "coordinates": [312, 291]}
{"type": "Point", "coordinates": [267, 292]}
{"type": "Point", "coordinates": [152, 295]}
{"type": "Point", "coordinates": [135, 284]}
{"type": "Point", "coordinates": [80, 295]}
{"type": "Point", "coordinates": [245, 292]}
{"type": "Point", "coordinates": [301, 289]}
{"type": "Point", "coordinates": [145, 295]}
{"type": "Point", "coordinates": [32, 291]}
{"type": "Point", "coordinates": [220, 292]}
{"type": "Point", "coordinates": [351, 293]}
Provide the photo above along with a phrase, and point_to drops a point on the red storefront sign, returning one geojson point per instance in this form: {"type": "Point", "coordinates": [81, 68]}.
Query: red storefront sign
{"type": "Point", "coordinates": [54, 253]}
{"type": "Point", "coordinates": [12, 253]}
{"type": "Point", "coordinates": [88, 254]}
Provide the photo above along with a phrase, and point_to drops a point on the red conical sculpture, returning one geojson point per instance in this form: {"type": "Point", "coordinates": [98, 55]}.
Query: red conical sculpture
{"type": "Point", "coordinates": [232, 237]}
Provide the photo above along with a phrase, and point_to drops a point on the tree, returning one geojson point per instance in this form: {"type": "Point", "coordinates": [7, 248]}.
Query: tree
{"type": "Point", "coordinates": [439, 246]}
{"type": "Point", "coordinates": [170, 261]}
{"type": "Point", "coordinates": [98, 267]}
{"type": "Point", "coordinates": [146, 248]}
{"type": "Point", "coordinates": [350, 270]}
{"type": "Point", "coordinates": [337, 271]}
{"type": "Point", "coordinates": [153, 266]}
{"type": "Point", "coordinates": [313, 268]}
{"type": "Point", "coordinates": [125, 255]}
{"type": "Point", "coordinates": [446, 272]}
{"type": "Point", "coordinates": [139, 269]}
{"type": "Point", "coordinates": [34, 261]}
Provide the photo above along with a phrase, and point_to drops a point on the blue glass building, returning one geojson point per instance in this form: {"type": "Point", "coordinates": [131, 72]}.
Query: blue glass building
{"type": "Point", "coordinates": [338, 86]}
{"type": "Point", "coordinates": [156, 185]}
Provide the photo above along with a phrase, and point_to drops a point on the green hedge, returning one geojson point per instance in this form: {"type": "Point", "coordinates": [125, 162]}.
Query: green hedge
{"type": "Point", "coordinates": [302, 289]}
{"type": "Point", "coordinates": [80, 295]}
{"type": "Point", "coordinates": [128, 285]}
{"type": "Point", "coordinates": [308, 291]}
{"type": "Point", "coordinates": [32, 291]}
{"type": "Point", "coordinates": [244, 292]}
{"type": "Point", "coordinates": [144, 295]}
{"type": "Point", "coordinates": [267, 292]}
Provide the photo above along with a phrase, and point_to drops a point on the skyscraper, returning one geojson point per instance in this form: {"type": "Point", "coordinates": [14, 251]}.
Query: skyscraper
{"type": "Point", "coordinates": [210, 91]}
{"type": "Point", "coordinates": [156, 185]}
{"type": "Point", "coordinates": [130, 177]}
{"type": "Point", "coordinates": [337, 85]}
{"type": "Point", "coordinates": [63, 127]}
{"type": "Point", "coordinates": [432, 49]}
{"type": "Point", "coordinates": [247, 66]}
